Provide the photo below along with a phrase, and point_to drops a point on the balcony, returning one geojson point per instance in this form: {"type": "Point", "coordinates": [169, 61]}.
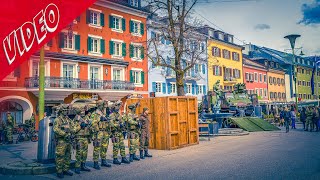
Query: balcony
{"type": "Point", "coordinates": [74, 83]}
{"type": "Point", "coordinates": [228, 79]}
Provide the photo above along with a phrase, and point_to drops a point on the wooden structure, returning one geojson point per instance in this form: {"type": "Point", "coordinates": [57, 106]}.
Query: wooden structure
{"type": "Point", "coordinates": [173, 121]}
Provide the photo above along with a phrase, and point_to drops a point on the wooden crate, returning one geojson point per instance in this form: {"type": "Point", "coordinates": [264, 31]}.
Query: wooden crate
{"type": "Point", "coordinates": [173, 121]}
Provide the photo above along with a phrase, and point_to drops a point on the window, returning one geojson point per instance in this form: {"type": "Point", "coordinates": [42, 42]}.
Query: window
{"type": "Point", "coordinates": [235, 56]}
{"type": "Point", "coordinates": [117, 49]}
{"type": "Point", "coordinates": [278, 81]}
{"type": "Point", "coordinates": [304, 96]}
{"type": "Point", "coordinates": [251, 77]}
{"type": "Point", "coordinates": [275, 95]}
{"type": "Point", "coordinates": [236, 73]}
{"type": "Point", "coordinates": [257, 92]}
{"type": "Point", "coordinates": [189, 88]}
{"type": "Point", "coordinates": [68, 70]}
{"type": "Point", "coordinates": [68, 41]}
{"type": "Point", "coordinates": [299, 83]}
{"type": "Point", "coordinates": [117, 74]}
{"type": "Point", "coordinates": [135, 27]}
{"type": "Point", "coordinates": [260, 77]}
{"type": "Point", "coordinates": [94, 73]}
{"type": "Point", "coordinates": [265, 78]}
{"type": "Point", "coordinates": [279, 95]}
{"type": "Point", "coordinates": [158, 87]}
{"type": "Point", "coordinates": [261, 92]}
{"type": "Point", "coordinates": [274, 80]}
{"type": "Point", "coordinates": [95, 45]}
{"type": "Point", "coordinates": [302, 71]}
{"type": "Point", "coordinates": [283, 95]}
{"type": "Point", "coordinates": [255, 77]}
{"type": "Point", "coordinates": [134, 3]}
{"type": "Point", "coordinates": [94, 16]}
{"type": "Point", "coordinates": [173, 88]}
{"type": "Point", "coordinates": [270, 80]}
{"type": "Point", "coordinates": [136, 52]}
{"type": "Point", "coordinates": [136, 76]}
{"type": "Point", "coordinates": [35, 69]}
{"type": "Point", "coordinates": [200, 89]}
{"type": "Point", "coordinates": [217, 70]}
{"type": "Point", "coordinates": [265, 92]}
{"type": "Point", "coordinates": [277, 65]}
{"type": "Point", "coordinates": [271, 95]}
{"type": "Point", "coordinates": [303, 83]}
{"type": "Point", "coordinates": [282, 81]}
{"type": "Point", "coordinates": [216, 52]}
{"type": "Point", "coordinates": [247, 76]}
{"type": "Point", "coordinates": [202, 47]}
{"type": "Point", "coordinates": [116, 23]}
{"type": "Point", "coordinates": [226, 54]}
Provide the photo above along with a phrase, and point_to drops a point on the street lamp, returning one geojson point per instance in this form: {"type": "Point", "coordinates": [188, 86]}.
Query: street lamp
{"type": "Point", "coordinates": [292, 38]}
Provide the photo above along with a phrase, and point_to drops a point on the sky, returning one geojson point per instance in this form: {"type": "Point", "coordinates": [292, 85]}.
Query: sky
{"type": "Point", "coordinates": [266, 22]}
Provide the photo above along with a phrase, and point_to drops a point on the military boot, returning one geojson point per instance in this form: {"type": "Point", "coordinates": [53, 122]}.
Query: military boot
{"type": "Point", "coordinates": [84, 167]}
{"type": "Point", "coordinates": [131, 158]}
{"type": "Point", "coordinates": [146, 154]}
{"type": "Point", "coordinates": [77, 170]}
{"type": "Point", "coordinates": [135, 157]}
{"type": "Point", "coordinates": [60, 175]}
{"type": "Point", "coordinates": [96, 165]}
{"type": "Point", "coordinates": [125, 160]}
{"type": "Point", "coordinates": [141, 154]}
{"type": "Point", "coordinates": [105, 163]}
{"type": "Point", "coordinates": [69, 173]}
{"type": "Point", "coordinates": [116, 161]}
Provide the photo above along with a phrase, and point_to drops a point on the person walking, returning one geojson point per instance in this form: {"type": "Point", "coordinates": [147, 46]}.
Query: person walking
{"type": "Point", "coordinates": [293, 118]}
{"type": "Point", "coordinates": [303, 117]}
{"type": "Point", "coordinates": [145, 133]}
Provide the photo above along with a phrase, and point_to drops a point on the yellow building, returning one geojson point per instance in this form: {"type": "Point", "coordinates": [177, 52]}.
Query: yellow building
{"type": "Point", "coordinates": [276, 85]}
{"type": "Point", "coordinates": [224, 61]}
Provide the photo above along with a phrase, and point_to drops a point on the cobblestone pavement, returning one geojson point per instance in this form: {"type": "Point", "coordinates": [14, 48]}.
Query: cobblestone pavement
{"type": "Point", "coordinates": [260, 155]}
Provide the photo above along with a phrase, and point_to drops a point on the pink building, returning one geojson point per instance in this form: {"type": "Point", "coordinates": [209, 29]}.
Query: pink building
{"type": "Point", "coordinates": [255, 78]}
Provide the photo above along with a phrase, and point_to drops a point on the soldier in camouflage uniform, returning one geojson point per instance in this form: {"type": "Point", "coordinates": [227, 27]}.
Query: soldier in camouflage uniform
{"type": "Point", "coordinates": [145, 133]}
{"type": "Point", "coordinates": [101, 129]}
{"type": "Point", "coordinates": [9, 128]}
{"type": "Point", "coordinates": [62, 130]}
{"type": "Point", "coordinates": [309, 114]}
{"type": "Point", "coordinates": [82, 134]}
{"type": "Point", "coordinates": [134, 131]}
{"type": "Point", "coordinates": [117, 127]}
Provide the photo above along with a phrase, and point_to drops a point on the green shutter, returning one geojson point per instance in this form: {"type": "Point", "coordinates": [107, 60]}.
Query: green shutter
{"type": "Point", "coordinates": [131, 76]}
{"type": "Point", "coordinates": [102, 46]}
{"type": "Point", "coordinates": [110, 21]}
{"type": "Point", "coordinates": [131, 50]}
{"type": "Point", "coordinates": [89, 44]}
{"type": "Point", "coordinates": [142, 28]}
{"type": "Point", "coordinates": [111, 44]}
{"type": "Point", "coordinates": [142, 52]}
{"type": "Point", "coordinates": [123, 24]}
{"type": "Point", "coordinates": [102, 19]}
{"type": "Point", "coordinates": [131, 26]}
{"type": "Point", "coordinates": [142, 77]}
{"type": "Point", "coordinates": [88, 17]}
{"type": "Point", "coordinates": [77, 42]}
{"type": "Point", "coordinates": [124, 53]}
{"type": "Point", "coordinates": [61, 38]}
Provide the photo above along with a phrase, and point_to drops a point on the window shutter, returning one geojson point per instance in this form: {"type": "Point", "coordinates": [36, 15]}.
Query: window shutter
{"type": "Point", "coordinates": [102, 19]}
{"type": "Point", "coordinates": [88, 17]}
{"type": "Point", "coordinates": [89, 44]}
{"type": "Point", "coordinates": [123, 24]}
{"type": "Point", "coordinates": [111, 44]}
{"type": "Point", "coordinates": [185, 88]}
{"type": "Point", "coordinates": [219, 52]}
{"type": "Point", "coordinates": [102, 46]}
{"type": "Point", "coordinates": [77, 42]}
{"type": "Point", "coordinates": [164, 88]}
{"type": "Point", "coordinates": [192, 91]}
{"type": "Point", "coordinates": [131, 50]}
{"type": "Point", "coordinates": [142, 52]}
{"type": "Point", "coordinates": [214, 70]}
{"type": "Point", "coordinates": [61, 38]}
{"type": "Point", "coordinates": [220, 71]}
{"type": "Point", "coordinates": [203, 68]}
{"type": "Point", "coordinates": [196, 68]}
{"type": "Point", "coordinates": [131, 26]}
{"type": "Point", "coordinates": [204, 89]}
{"type": "Point", "coordinates": [124, 53]}
{"type": "Point", "coordinates": [131, 76]}
{"type": "Point", "coordinates": [212, 51]}
{"type": "Point", "coordinates": [197, 89]}
{"type": "Point", "coordinates": [111, 21]}
{"type": "Point", "coordinates": [141, 28]}
{"type": "Point", "coordinates": [169, 88]}
{"type": "Point", "coordinates": [154, 87]}
{"type": "Point", "coordinates": [142, 77]}
{"type": "Point", "coordinates": [192, 72]}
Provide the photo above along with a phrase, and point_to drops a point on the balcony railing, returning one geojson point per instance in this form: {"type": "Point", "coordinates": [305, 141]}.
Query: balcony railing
{"type": "Point", "coordinates": [229, 79]}
{"type": "Point", "coordinates": [74, 83]}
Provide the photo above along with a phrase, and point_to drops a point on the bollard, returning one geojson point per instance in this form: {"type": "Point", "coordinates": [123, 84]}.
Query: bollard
{"type": "Point", "coordinates": [46, 143]}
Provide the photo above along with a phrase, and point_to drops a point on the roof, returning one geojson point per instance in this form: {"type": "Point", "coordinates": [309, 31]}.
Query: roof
{"type": "Point", "coordinates": [253, 64]}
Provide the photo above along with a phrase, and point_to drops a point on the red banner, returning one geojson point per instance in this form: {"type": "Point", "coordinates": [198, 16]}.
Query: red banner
{"type": "Point", "coordinates": [26, 25]}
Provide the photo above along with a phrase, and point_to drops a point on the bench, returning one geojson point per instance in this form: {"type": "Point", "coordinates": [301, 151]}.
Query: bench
{"type": "Point", "coordinates": [204, 130]}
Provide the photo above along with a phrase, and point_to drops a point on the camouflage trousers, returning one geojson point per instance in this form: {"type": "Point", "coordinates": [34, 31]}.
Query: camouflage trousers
{"type": "Point", "coordinates": [118, 144]}
{"type": "Point", "coordinates": [134, 142]}
{"type": "Point", "coordinates": [63, 156]}
{"type": "Point", "coordinates": [144, 140]}
{"type": "Point", "coordinates": [309, 123]}
{"type": "Point", "coordinates": [9, 134]}
{"type": "Point", "coordinates": [101, 147]}
{"type": "Point", "coordinates": [81, 151]}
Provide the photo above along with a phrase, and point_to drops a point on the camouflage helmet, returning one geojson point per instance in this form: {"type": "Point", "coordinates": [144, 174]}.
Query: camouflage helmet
{"type": "Point", "coordinates": [132, 106]}
{"type": "Point", "coordinates": [100, 102]}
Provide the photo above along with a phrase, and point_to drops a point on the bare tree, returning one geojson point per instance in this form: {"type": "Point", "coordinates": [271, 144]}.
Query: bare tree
{"type": "Point", "coordinates": [174, 23]}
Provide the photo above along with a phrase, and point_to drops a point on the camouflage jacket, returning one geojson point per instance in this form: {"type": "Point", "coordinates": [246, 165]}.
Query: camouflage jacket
{"type": "Point", "coordinates": [117, 122]}
{"type": "Point", "coordinates": [145, 123]}
{"type": "Point", "coordinates": [97, 124]}
{"type": "Point", "coordinates": [10, 122]}
{"type": "Point", "coordinates": [63, 127]}
{"type": "Point", "coordinates": [133, 123]}
{"type": "Point", "coordinates": [77, 127]}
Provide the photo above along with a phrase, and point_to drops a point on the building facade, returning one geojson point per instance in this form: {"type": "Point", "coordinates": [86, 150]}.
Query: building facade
{"type": "Point", "coordinates": [255, 78]}
{"type": "Point", "coordinates": [98, 56]}
{"type": "Point", "coordinates": [224, 59]}
{"type": "Point", "coordinates": [162, 80]}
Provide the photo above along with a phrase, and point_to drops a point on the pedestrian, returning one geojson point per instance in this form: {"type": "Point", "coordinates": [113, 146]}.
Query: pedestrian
{"type": "Point", "coordinates": [287, 118]}
{"type": "Point", "coordinates": [293, 118]}
{"type": "Point", "coordinates": [309, 113]}
{"type": "Point", "coordinates": [315, 117]}
{"type": "Point", "coordinates": [62, 130]}
{"type": "Point", "coordinates": [145, 133]}
{"type": "Point", "coordinates": [2, 131]}
{"type": "Point", "coordinates": [9, 128]}
{"type": "Point", "coordinates": [134, 131]}
{"type": "Point", "coordinates": [303, 117]}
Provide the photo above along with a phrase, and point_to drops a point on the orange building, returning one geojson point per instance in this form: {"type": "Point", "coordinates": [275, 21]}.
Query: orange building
{"type": "Point", "coordinates": [98, 56]}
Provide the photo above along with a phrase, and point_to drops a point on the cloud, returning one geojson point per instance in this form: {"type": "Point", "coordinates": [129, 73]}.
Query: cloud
{"type": "Point", "coordinates": [311, 13]}
{"type": "Point", "coordinates": [262, 27]}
